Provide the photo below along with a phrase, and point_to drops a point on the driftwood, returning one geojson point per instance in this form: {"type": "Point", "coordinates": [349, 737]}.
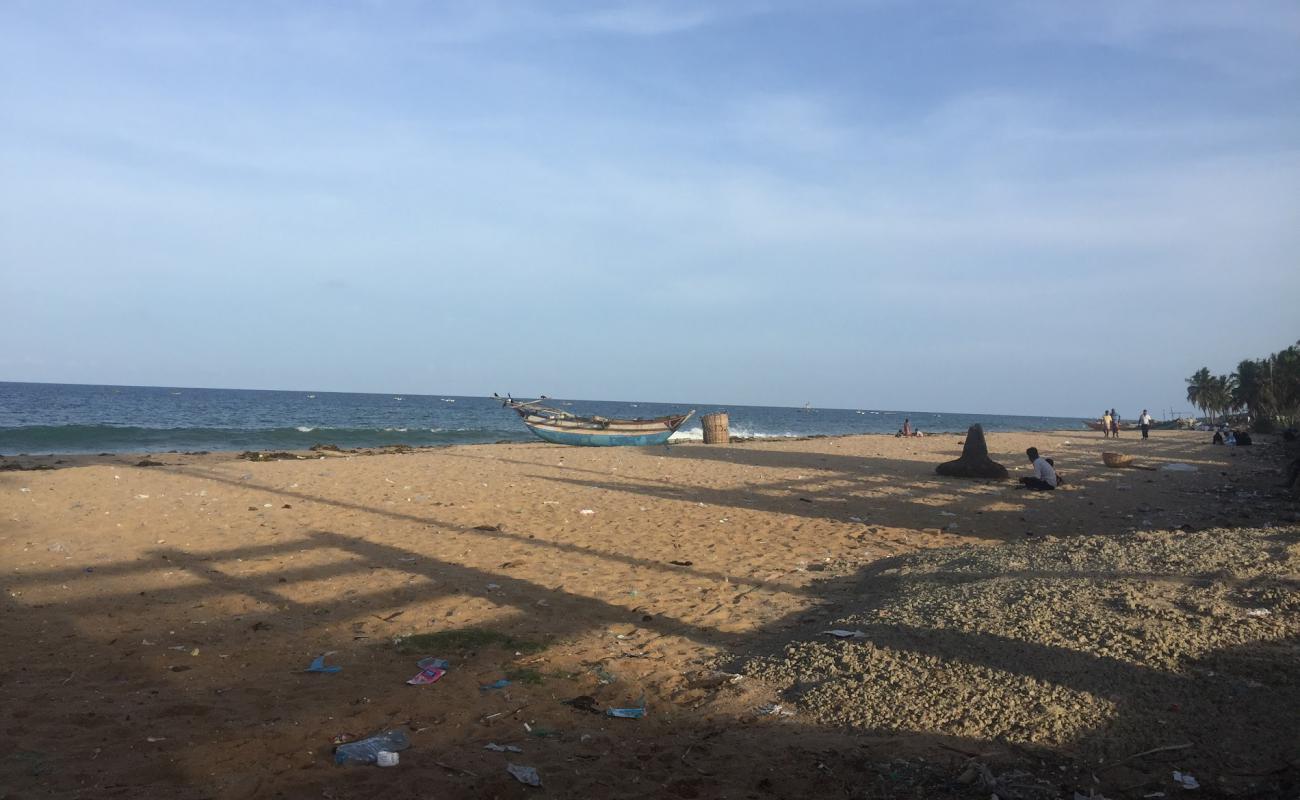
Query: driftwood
{"type": "Point", "coordinates": [974, 461]}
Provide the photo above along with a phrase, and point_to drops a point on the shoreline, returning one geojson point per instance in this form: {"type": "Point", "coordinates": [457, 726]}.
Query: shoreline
{"type": "Point", "coordinates": [327, 450]}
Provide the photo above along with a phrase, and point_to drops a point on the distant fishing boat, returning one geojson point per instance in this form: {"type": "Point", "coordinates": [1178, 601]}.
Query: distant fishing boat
{"type": "Point", "coordinates": [561, 427]}
{"type": "Point", "coordinates": [1098, 425]}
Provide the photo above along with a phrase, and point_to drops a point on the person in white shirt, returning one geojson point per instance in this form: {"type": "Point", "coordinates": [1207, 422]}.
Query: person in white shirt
{"type": "Point", "coordinates": [1045, 478]}
{"type": "Point", "coordinates": [1145, 422]}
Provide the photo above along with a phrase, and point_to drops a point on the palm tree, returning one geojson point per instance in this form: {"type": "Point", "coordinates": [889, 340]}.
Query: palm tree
{"type": "Point", "coordinates": [1254, 388]}
{"type": "Point", "coordinates": [1285, 384]}
{"type": "Point", "coordinates": [1221, 394]}
{"type": "Point", "coordinates": [1198, 387]}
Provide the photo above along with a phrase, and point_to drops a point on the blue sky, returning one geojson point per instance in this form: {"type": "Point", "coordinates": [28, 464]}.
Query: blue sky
{"type": "Point", "coordinates": [1015, 207]}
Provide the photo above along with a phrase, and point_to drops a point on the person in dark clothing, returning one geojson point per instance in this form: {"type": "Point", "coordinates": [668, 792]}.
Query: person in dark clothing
{"type": "Point", "coordinates": [1044, 478]}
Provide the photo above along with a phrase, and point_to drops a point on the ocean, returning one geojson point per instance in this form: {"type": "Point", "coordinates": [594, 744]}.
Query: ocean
{"type": "Point", "coordinates": [39, 418]}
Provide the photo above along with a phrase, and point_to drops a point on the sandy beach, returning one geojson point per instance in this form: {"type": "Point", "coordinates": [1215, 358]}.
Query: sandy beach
{"type": "Point", "coordinates": [158, 620]}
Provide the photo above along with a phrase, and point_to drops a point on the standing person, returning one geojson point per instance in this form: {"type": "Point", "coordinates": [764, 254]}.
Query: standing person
{"type": "Point", "coordinates": [1145, 422]}
{"type": "Point", "coordinates": [1044, 479]}
{"type": "Point", "coordinates": [1105, 424]}
{"type": "Point", "coordinates": [907, 427]}
{"type": "Point", "coordinates": [1114, 423]}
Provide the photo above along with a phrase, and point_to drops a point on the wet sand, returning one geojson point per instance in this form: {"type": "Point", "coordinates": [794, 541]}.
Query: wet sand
{"type": "Point", "coordinates": [158, 618]}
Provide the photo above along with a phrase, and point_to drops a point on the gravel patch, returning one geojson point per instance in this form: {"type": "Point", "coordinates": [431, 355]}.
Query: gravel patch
{"type": "Point", "coordinates": [1094, 647]}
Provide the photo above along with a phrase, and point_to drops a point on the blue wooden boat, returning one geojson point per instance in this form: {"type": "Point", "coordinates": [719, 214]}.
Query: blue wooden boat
{"type": "Point", "coordinates": [561, 427]}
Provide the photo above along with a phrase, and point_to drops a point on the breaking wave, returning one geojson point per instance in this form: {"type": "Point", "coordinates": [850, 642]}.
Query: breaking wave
{"type": "Point", "coordinates": [737, 432]}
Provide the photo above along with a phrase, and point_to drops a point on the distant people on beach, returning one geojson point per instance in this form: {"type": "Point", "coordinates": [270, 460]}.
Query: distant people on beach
{"type": "Point", "coordinates": [906, 430]}
{"type": "Point", "coordinates": [1045, 478]}
{"type": "Point", "coordinates": [1114, 423]}
{"type": "Point", "coordinates": [1105, 424]}
{"type": "Point", "coordinates": [1144, 422]}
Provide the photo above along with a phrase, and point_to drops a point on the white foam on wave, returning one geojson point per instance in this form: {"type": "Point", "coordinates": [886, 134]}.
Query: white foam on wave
{"type": "Point", "coordinates": [737, 432]}
{"type": "Point", "coordinates": [304, 429]}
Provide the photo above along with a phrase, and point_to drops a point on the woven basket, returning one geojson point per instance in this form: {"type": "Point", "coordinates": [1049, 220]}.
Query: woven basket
{"type": "Point", "coordinates": [715, 428]}
{"type": "Point", "coordinates": [1117, 460]}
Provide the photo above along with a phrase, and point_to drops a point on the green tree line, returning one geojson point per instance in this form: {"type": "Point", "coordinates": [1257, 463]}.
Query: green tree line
{"type": "Point", "coordinates": [1268, 389]}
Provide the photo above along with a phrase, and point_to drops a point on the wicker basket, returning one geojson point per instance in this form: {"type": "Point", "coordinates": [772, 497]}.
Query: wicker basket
{"type": "Point", "coordinates": [715, 428]}
{"type": "Point", "coordinates": [1117, 459]}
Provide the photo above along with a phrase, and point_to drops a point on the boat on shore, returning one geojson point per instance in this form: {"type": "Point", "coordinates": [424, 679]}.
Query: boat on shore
{"type": "Point", "coordinates": [561, 427]}
{"type": "Point", "coordinates": [1098, 425]}
{"type": "Point", "coordinates": [1173, 425]}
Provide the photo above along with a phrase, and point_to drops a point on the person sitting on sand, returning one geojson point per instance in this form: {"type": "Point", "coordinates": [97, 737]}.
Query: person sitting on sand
{"type": "Point", "coordinates": [1044, 479]}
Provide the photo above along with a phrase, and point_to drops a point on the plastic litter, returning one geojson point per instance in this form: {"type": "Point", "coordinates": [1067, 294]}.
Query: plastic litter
{"type": "Point", "coordinates": [774, 710]}
{"type": "Point", "coordinates": [586, 512]}
{"type": "Point", "coordinates": [636, 712]}
{"type": "Point", "coordinates": [1186, 780]}
{"type": "Point", "coordinates": [1178, 467]}
{"type": "Point", "coordinates": [500, 683]}
{"type": "Point", "coordinates": [318, 665]}
{"type": "Point", "coordinates": [840, 633]}
{"type": "Point", "coordinates": [387, 758]}
{"type": "Point", "coordinates": [525, 775]}
{"type": "Point", "coordinates": [503, 748]}
{"type": "Point", "coordinates": [367, 750]}
{"type": "Point", "coordinates": [427, 676]}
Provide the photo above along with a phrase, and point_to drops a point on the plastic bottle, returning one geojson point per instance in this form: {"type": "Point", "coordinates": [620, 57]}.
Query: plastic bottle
{"type": "Point", "coordinates": [366, 751]}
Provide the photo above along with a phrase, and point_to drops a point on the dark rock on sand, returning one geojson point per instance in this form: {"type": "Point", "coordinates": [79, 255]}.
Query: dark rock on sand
{"type": "Point", "coordinates": [974, 461]}
{"type": "Point", "coordinates": [257, 455]}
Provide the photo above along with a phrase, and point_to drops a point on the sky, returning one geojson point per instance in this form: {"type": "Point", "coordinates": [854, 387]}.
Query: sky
{"type": "Point", "coordinates": [1014, 207]}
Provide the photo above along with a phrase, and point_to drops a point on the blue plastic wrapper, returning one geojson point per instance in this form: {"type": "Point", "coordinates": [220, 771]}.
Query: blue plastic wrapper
{"type": "Point", "coordinates": [318, 665]}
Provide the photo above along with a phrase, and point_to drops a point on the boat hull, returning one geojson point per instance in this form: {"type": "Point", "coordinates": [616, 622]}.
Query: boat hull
{"type": "Point", "coordinates": [561, 427]}
{"type": "Point", "coordinates": [1097, 426]}
{"type": "Point", "coordinates": [600, 438]}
